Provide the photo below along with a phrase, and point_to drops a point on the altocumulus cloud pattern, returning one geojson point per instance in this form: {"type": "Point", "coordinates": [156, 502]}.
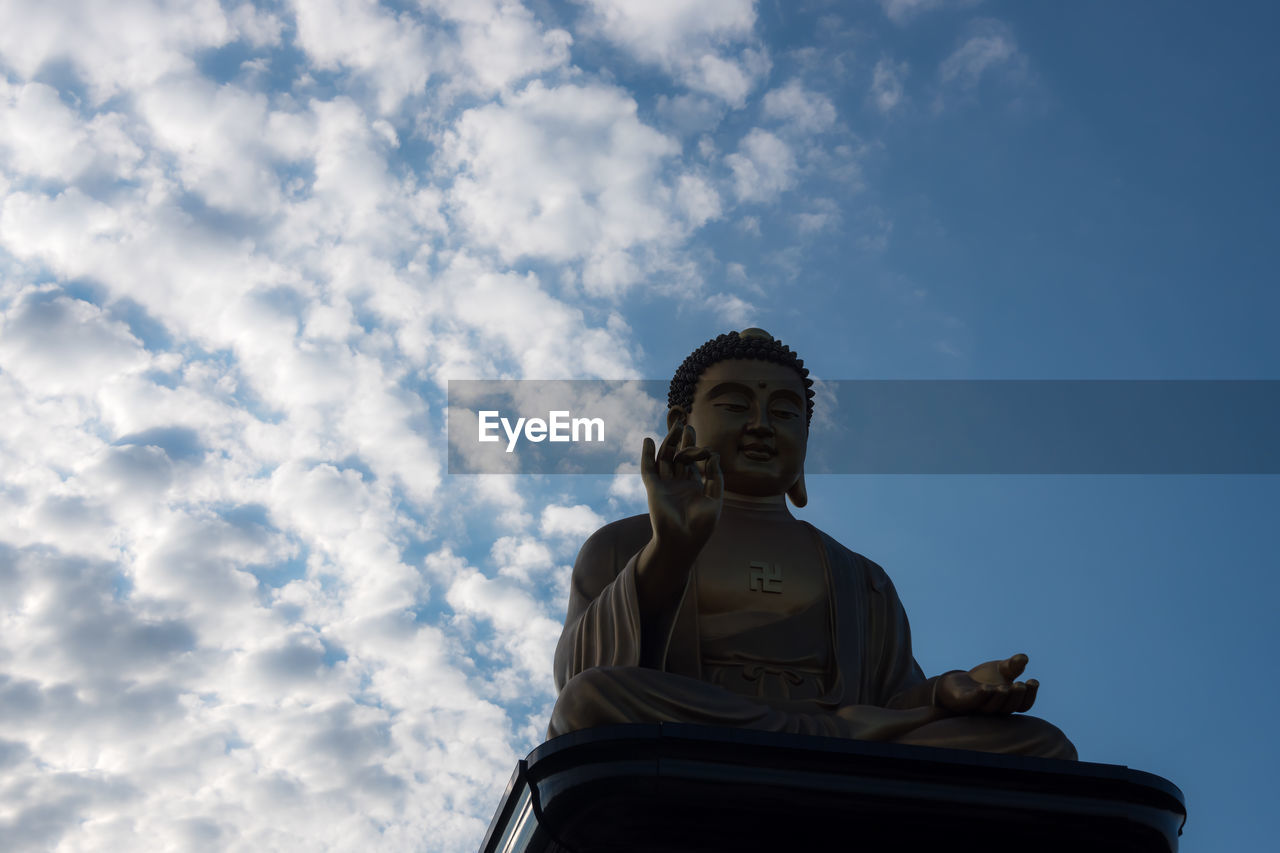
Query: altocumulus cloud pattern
{"type": "Point", "coordinates": [243, 247]}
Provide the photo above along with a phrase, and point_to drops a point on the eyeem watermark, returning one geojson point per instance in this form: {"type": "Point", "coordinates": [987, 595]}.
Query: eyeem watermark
{"type": "Point", "coordinates": [961, 427]}
{"type": "Point", "coordinates": [559, 426]}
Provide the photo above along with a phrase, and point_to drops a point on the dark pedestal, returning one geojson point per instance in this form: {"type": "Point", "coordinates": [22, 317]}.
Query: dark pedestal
{"type": "Point", "coordinates": [674, 788]}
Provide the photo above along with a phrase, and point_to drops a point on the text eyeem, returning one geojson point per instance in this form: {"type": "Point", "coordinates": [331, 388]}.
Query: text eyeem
{"type": "Point", "coordinates": [558, 426]}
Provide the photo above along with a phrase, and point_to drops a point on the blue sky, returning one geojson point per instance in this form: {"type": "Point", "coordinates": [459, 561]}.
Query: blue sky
{"type": "Point", "coordinates": [243, 248]}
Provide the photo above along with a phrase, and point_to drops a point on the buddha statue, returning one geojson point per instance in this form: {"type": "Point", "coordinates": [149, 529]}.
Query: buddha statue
{"type": "Point", "coordinates": [719, 607]}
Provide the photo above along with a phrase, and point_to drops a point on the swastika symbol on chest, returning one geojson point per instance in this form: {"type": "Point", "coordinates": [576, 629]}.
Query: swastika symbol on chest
{"type": "Point", "coordinates": [765, 577]}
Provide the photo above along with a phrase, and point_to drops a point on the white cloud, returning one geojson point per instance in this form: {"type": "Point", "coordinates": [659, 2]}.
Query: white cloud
{"type": "Point", "coordinates": [218, 137]}
{"type": "Point", "coordinates": [902, 11]}
{"type": "Point", "coordinates": [256, 27]}
{"type": "Point", "coordinates": [693, 40]}
{"type": "Point", "coordinates": [697, 199]}
{"type": "Point", "coordinates": [500, 43]}
{"type": "Point", "coordinates": [524, 631]}
{"type": "Point", "coordinates": [886, 84]}
{"type": "Point", "coordinates": [565, 173]}
{"type": "Point", "coordinates": [244, 606]}
{"type": "Point", "coordinates": [799, 110]}
{"type": "Point", "coordinates": [874, 229]}
{"type": "Point", "coordinates": [45, 138]}
{"type": "Point", "coordinates": [657, 30]}
{"type": "Point", "coordinates": [732, 309]}
{"type": "Point", "coordinates": [511, 317]}
{"type": "Point", "coordinates": [497, 44]}
{"type": "Point", "coordinates": [391, 51]}
{"type": "Point", "coordinates": [763, 167]}
{"type": "Point", "coordinates": [991, 44]}
{"type": "Point", "coordinates": [57, 345]}
{"type": "Point", "coordinates": [574, 522]}
{"type": "Point", "coordinates": [690, 113]}
{"type": "Point", "coordinates": [521, 558]}
{"type": "Point", "coordinates": [113, 47]}
{"type": "Point", "coordinates": [823, 214]}
{"type": "Point", "coordinates": [627, 493]}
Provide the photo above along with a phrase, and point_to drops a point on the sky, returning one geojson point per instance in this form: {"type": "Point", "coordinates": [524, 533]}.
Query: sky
{"type": "Point", "coordinates": [245, 246]}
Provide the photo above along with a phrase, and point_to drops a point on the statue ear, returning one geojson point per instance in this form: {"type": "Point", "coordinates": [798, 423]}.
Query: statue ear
{"type": "Point", "coordinates": [675, 413]}
{"type": "Point", "coordinates": [798, 493]}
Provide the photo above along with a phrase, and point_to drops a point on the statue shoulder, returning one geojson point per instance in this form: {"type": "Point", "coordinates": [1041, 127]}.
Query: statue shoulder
{"type": "Point", "coordinates": [616, 542]}
{"type": "Point", "coordinates": [876, 576]}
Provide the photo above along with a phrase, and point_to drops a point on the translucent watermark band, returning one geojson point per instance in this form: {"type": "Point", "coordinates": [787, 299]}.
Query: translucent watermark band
{"type": "Point", "coordinates": [894, 426]}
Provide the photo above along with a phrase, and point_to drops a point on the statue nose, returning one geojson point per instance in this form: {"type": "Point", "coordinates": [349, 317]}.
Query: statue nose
{"type": "Point", "coordinates": [759, 424]}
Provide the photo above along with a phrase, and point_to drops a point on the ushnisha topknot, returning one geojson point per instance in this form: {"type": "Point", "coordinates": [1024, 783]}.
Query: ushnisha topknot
{"type": "Point", "coordinates": [750, 343]}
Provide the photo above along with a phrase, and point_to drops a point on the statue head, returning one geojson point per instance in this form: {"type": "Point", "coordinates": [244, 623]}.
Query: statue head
{"type": "Point", "coordinates": [749, 398]}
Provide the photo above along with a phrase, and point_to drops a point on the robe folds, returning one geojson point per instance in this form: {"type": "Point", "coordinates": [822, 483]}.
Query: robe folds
{"type": "Point", "coordinates": [875, 690]}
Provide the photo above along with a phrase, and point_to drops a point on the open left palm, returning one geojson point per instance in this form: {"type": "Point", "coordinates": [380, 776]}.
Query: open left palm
{"type": "Point", "coordinates": [988, 688]}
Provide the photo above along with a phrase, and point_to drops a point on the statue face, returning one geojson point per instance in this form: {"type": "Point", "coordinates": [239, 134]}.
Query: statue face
{"type": "Point", "coordinates": [753, 414]}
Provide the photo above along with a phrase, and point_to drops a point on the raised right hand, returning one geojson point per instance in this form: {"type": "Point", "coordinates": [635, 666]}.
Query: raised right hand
{"type": "Point", "coordinates": [685, 489]}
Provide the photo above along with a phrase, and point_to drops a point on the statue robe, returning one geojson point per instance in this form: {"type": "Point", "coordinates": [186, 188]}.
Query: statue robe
{"type": "Point", "coordinates": [876, 690]}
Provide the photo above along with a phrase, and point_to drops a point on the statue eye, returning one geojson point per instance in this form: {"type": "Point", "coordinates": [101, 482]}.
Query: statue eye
{"type": "Point", "coordinates": [736, 408]}
{"type": "Point", "coordinates": [784, 410]}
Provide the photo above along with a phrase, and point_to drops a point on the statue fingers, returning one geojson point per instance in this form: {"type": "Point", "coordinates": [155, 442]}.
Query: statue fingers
{"type": "Point", "coordinates": [684, 464]}
{"type": "Point", "coordinates": [688, 442]}
{"type": "Point", "coordinates": [988, 673]}
{"type": "Point", "coordinates": [996, 697]}
{"type": "Point", "coordinates": [1017, 694]}
{"type": "Point", "coordinates": [648, 464]}
{"type": "Point", "coordinates": [1029, 699]}
{"type": "Point", "coordinates": [691, 455]}
{"type": "Point", "coordinates": [670, 442]}
{"type": "Point", "coordinates": [1012, 667]}
{"type": "Point", "coordinates": [712, 477]}
{"type": "Point", "coordinates": [667, 451]}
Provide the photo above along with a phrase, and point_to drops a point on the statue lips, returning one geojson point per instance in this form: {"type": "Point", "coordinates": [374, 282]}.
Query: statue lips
{"type": "Point", "coordinates": [758, 452]}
